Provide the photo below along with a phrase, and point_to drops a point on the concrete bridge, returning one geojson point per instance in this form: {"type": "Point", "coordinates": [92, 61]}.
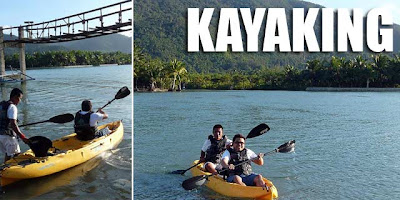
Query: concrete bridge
{"type": "Point", "coordinates": [97, 22]}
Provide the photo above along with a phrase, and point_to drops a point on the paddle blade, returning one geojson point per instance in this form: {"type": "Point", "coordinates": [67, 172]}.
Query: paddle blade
{"type": "Point", "coordinates": [122, 93]}
{"type": "Point", "coordinates": [64, 118]}
{"type": "Point", "coordinates": [194, 182]}
{"type": "Point", "coordinates": [40, 145]}
{"type": "Point", "coordinates": [181, 172]}
{"type": "Point", "coordinates": [258, 130]}
{"type": "Point", "coordinates": [287, 147]}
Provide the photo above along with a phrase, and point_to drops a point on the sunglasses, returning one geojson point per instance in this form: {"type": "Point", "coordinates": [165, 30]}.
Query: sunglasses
{"type": "Point", "coordinates": [239, 142]}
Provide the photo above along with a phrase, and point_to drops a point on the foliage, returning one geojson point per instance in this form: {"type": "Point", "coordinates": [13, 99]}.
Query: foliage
{"type": "Point", "coordinates": [161, 30]}
{"type": "Point", "coordinates": [377, 70]}
{"type": "Point", "coordinates": [68, 58]}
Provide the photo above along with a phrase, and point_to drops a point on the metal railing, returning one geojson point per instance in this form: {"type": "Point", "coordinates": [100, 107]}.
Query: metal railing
{"type": "Point", "coordinates": [106, 20]}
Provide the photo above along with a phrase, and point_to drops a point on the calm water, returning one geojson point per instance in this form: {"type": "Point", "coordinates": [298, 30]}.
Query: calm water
{"type": "Point", "coordinates": [58, 91]}
{"type": "Point", "coordinates": [346, 143]}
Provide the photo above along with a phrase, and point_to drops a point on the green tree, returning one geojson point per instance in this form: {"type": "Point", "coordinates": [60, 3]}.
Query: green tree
{"type": "Point", "coordinates": [176, 70]}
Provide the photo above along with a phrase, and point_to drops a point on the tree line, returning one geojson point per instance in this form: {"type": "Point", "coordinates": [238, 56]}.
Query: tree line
{"type": "Point", "coordinates": [378, 70]}
{"type": "Point", "coordinates": [69, 58]}
{"type": "Point", "coordinates": [151, 74]}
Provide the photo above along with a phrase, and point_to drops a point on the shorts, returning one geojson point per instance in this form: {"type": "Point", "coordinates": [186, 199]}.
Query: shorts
{"type": "Point", "coordinates": [248, 180]}
{"type": "Point", "coordinates": [9, 145]}
{"type": "Point", "coordinates": [103, 132]}
{"type": "Point", "coordinates": [217, 167]}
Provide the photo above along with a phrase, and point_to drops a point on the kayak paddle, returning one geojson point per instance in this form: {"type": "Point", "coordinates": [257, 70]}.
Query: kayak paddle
{"type": "Point", "coordinates": [40, 145]}
{"type": "Point", "coordinates": [197, 181]}
{"type": "Point", "coordinates": [122, 93]}
{"type": "Point", "coordinates": [181, 172]}
{"type": "Point", "coordinates": [256, 131]}
{"type": "Point", "coordinates": [59, 119]}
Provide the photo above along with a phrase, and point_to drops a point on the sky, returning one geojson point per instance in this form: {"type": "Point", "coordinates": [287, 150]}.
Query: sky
{"type": "Point", "coordinates": [16, 12]}
{"type": "Point", "coordinates": [391, 5]}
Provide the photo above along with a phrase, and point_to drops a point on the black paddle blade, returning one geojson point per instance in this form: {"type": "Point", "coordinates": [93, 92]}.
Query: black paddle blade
{"type": "Point", "coordinates": [64, 118]}
{"type": "Point", "coordinates": [258, 130]}
{"type": "Point", "coordinates": [122, 93]}
{"type": "Point", "coordinates": [181, 172]}
{"type": "Point", "coordinates": [40, 145]}
{"type": "Point", "coordinates": [194, 182]}
{"type": "Point", "coordinates": [287, 147]}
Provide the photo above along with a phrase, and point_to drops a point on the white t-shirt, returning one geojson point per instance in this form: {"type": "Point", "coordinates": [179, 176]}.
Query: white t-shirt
{"type": "Point", "coordinates": [12, 112]}
{"type": "Point", "coordinates": [94, 117]}
{"type": "Point", "coordinates": [250, 155]}
{"type": "Point", "coordinates": [207, 144]}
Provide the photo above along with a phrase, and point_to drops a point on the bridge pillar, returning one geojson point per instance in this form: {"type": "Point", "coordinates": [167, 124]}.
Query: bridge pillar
{"type": "Point", "coordinates": [2, 60]}
{"type": "Point", "coordinates": [22, 64]}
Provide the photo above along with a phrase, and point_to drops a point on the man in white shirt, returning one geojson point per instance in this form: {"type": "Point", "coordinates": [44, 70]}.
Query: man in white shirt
{"type": "Point", "coordinates": [86, 122]}
{"type": "Point", "coordinates": [242, 174]}
{"type": "Point", "coordinates": [9, 129]}
{"type": "Point", "coordinates": [213, 148]}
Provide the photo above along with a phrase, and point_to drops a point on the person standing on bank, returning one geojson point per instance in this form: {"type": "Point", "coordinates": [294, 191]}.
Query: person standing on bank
{"type": "Point", "coordinates": [86, 122]}
{"type": "Point", "coordinates": [242, 174]}
{"type": "Point", "coordinates": [213, 148]}
{"type": "Point", "coordinates": [9, 129]}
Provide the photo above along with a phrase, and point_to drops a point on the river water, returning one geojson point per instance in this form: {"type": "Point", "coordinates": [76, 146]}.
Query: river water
{"type": "Point", "coordinates": [61, 90]}
{"type": "Point", "coordinates": [346, 142]}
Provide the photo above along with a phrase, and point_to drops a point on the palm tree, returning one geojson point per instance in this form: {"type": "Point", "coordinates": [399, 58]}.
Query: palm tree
{"type": "Point", "coordinates": [154, 70]}
{"type": "Point", "coordinates": [380, 64]}
{"type": "Point", "coordinates": [176, 69]}
{"type": "Point", "coordinates": [364, 71]}
{"type": "Point", "coordinates": [138, 62]}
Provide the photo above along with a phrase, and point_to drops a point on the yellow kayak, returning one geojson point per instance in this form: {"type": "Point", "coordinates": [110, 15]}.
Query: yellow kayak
{"type": "Point", "coordinates": [219, 185]}
{"type": "Point", "coordinates": [68, 152]}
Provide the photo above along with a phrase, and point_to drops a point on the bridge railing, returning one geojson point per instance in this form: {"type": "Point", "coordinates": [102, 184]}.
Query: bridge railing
{"type": "Point", "coordinates": [101, 21]}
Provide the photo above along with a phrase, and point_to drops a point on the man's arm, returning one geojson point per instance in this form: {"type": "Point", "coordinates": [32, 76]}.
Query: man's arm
{"type": "Point", "coordinates": [225, 160]}
{"type": "Point", "coordinates": [16, 129]}
{"type": "Point", "coordinates": [206, 145]}
{"type": "Point", "coordinates": [258, 159]}
{"type": "Point", "coordinates": [202, 156]}
{"type": "Point", "coordinates": [105, 116]}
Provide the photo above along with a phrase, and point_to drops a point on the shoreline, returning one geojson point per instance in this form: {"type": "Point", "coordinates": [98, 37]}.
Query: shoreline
{"type": "Point", "coordinates": [308, 89]}
{"type": "Point", "coordinates": [72, 66]}
{"type": "Point", "coordinates": [336, 89]}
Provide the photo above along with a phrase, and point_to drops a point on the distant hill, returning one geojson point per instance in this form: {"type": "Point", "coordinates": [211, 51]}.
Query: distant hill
{"type": "Point", "coordinates": [161, 31]}
{"type": "Point", "coordinates": [107, 43]}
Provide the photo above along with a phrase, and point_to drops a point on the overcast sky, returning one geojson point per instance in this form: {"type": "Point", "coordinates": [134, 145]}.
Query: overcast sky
{"type": "Point", "coordinates": [16, 12]}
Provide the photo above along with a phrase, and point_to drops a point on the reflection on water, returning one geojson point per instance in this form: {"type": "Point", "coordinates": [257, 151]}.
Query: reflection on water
{"type": "Point", "coordinates": [119, 161]}
{"type": "Point", "coordinates": [38, 186]}
{"type": "Point", "coordinates": [58, 91]}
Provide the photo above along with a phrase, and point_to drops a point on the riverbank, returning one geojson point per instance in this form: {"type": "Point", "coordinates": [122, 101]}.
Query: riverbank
{"type": "Point", "coordinates": [73, 66]}
{"type": "Point", "coordinates": [155, 90]}
{"type": "Point", "coordinates": [71, 58]}
{"type": "Point", "coordinates": [308, 89]}
{"type": "Point", "coordinates": [336, 89]}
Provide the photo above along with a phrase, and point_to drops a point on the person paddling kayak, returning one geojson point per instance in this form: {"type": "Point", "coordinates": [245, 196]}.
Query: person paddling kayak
{"type": "Point", "coordinates": [242, 174]}
{"type": "Point", "coordinates": [213, 148]}
{"type": "Point", "coordinates": [86, 122]}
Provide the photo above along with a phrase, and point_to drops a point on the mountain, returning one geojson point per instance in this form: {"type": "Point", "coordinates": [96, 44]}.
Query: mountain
{"type": "Point", "coordinates": [161, 31]}
{"type": "Point", "coordinates": [107, 43]}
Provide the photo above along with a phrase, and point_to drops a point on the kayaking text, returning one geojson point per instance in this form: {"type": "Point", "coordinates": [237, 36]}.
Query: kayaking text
{"type": "Point", "coordinates": [234, 31]}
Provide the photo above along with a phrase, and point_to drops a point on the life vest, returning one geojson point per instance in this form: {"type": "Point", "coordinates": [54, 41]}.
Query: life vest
{"type": "Point", "coordinates": [216, 149]}
{"type": "Point", "coordinates": [82, 126]}
{"type": "Point", "coordinates": [5, 128]}
{"type": "Point", "coordinates": [236, 158]}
